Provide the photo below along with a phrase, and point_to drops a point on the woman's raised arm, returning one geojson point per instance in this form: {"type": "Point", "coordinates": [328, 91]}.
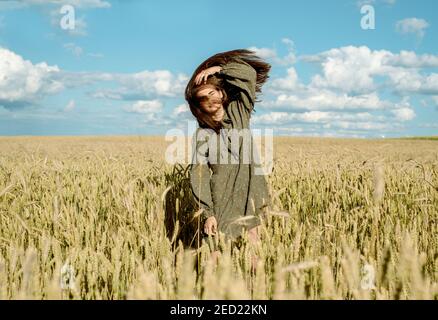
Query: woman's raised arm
{"type": "Point", "coordinates": [242, 75]}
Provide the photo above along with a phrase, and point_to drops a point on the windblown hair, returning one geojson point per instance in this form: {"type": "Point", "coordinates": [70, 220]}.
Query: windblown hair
{"type": "Point", "coordinates": [262, 68]}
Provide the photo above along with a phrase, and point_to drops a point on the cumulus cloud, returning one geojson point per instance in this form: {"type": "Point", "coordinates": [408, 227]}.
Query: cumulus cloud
{"type": "Point", "coordinates": [362, 122]}
{"type": "Point", "coordinates": [146, 106]}
{"type": "Point", "coordinates": [345, 96]}
{"type": "Point", "coordinates": [404, 114]}
{"type": "Point", "coordinates": [355, 69]}
{"type": "Point", "coordinates": [414, 26]}
{"type": "Point", "coordinates": [178, 116]}
{"type": "Point", "coordinates": [411, 81]}
{"type": "Point", "coordinates": [314, 99]}
{"type": "Point", "coordinates": [288, 83]}
{"type": "Point", "coordinates": [141, 85]}
{"type": "Point", "coordinates": [350, 69]}
{"type": "Point", "coordinates": [410, 59]}
{"type": "Point", "coordinates": [271, 55]}
{"type": "Point", "coordinates": [151, 112]}
{"type": "Point", "coordinates": [278, 118]}
{"type": "Point", "coordinates": [346, 93]}
{"type": "Point", "coordinates": [22, 82]}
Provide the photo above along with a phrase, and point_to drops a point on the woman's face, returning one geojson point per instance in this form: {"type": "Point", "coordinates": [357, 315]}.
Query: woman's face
{"type": "Point", "coordinates": [210, 99]}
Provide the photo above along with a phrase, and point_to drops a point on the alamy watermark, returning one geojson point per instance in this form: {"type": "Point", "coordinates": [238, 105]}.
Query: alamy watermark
{"type": "Point", "coordinates": [230, 146]}
{"type": "Point", "coordinates": [368, 21]}
{"type": "Point", "coordinates": [68, 20]}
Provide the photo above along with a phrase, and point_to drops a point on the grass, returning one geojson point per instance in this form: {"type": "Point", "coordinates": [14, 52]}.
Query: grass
{"type": "Point", "coordinates": [420, 138]}
{"type": "Point", "coordinates": [88, 218]}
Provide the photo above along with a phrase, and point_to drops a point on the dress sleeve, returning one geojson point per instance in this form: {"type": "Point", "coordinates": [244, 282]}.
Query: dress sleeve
{"type": "Point", "coordinates": [200, 176]}
{"type": "Point", "coordinates": [242, 75]}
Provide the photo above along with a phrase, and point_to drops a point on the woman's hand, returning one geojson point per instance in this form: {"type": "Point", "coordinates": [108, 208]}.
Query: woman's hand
{"type": "Point", "coordinates": [210, 226]}
{"type": "Point", "coordinates": [204, 74]}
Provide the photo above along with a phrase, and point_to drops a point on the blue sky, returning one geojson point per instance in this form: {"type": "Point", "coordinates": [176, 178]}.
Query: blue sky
{"type": "Point", "coordinates": [124, 66]}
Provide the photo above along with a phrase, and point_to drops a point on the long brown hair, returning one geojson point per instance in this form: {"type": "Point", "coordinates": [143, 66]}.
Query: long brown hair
{"type": "Point", "coordinates": [261, 67]}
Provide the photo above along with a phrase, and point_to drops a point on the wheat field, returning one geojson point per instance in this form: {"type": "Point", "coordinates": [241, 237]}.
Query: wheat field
{"type": "Point", "coordinates": [85, 218]}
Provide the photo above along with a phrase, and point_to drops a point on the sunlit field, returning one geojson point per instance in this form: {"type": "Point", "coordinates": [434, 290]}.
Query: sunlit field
{"type": "Point", "coordinates": [88, 218]}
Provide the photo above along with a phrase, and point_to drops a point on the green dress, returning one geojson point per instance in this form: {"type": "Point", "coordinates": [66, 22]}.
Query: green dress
{"type": "Point", "coordinates": [231, 192]}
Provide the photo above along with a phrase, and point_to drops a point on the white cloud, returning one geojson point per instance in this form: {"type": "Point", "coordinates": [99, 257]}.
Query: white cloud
{"type": "Point", "coordinates": [411, 60]}
{"type": "Point", "coordinates": [278, 118]}
{"type": "Point", "coordinates": [74, 49]}
{"type": "Point", "coordinates": [363, 126]}
{"type": "Point", "coordinates": [355, 69]}
{"type": "Point", "coordinates": [23, 82]}
{"type": "Point", "coordinates": [289, 129]}
{"type": "Point", "coordinates": [146, 106]}
{"type": "Point", "coordinates": [348, 89]}
{"type": "Point", "coordinates": [318, 120]}
{"type": "Point", "coordinates": [264, 53]}
{"type": "Point", "coordinates": [155, 115]}
{"type": "Point", "coordinates": [350, 69]}
{"type": "Point", "coordinates": [181, 109]}
{"type": "Point", "coordinates": [272, 55]}
{"type": "Point", "coordinates": [140, 85]}
{"type": "Point", "coordinates": [152, 112]}
{"type": "Point", "coordinates": [328, 102]}
{"type": "Point", "coordinates": [404, 114]}
{"type": "Point", "coordinates": [406, 81]}
{"type": "Point", "coordinates": [159, 82]}
{"type": "Point", "coordinates": [70, 106]}
{"type": "Point", "coordinates": [16, 4]}
{"type": "Point", "coordinates": [288, 83]}
{"type": "Point", "coordinates": [415, 26]}
{"type": "Point", "coordinates": [79, 51]}
{"type": "Point", "coordinates": [314, 99]}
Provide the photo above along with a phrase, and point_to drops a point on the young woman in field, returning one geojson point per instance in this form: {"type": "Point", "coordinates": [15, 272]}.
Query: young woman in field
{"type": "Point", "coordinates": [221, 95]}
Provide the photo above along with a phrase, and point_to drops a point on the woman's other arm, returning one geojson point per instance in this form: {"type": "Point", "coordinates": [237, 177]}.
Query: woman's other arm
{"type": "Point", "coordinates": [200, 175]}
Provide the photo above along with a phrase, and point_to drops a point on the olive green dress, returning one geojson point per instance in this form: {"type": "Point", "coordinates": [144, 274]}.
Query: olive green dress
{"type": "Point", "coordinates": [231, 192]}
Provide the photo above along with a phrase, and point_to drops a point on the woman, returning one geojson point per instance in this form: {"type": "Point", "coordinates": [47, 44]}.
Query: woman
{"type": "Point", "coordinates": [221, 95]}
